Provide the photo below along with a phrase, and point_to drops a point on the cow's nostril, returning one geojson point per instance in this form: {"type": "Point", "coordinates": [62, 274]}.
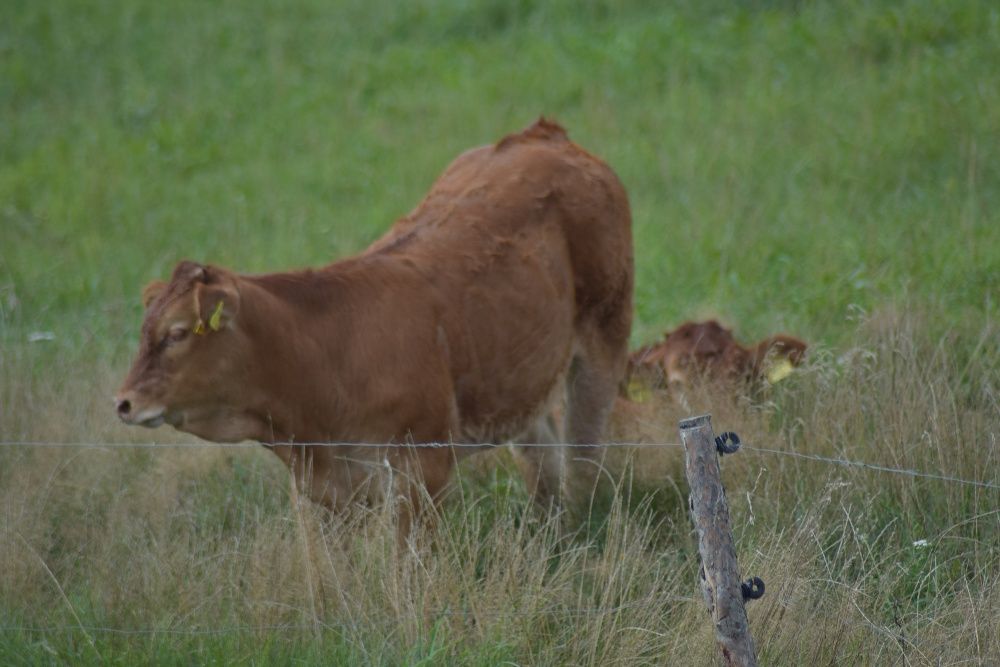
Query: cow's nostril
{"type": "Point", "coordinates": [124, 407]}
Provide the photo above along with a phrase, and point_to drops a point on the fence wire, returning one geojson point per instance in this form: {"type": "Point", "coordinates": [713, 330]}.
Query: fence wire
{"type": "Point", "coordinates": [319, 625]}
{"type": "Point", "coordinates": [356, 445]}
{"type": "Point", "coordinates": [865, 465]}
{"type": "Point", "coordinates": [908, 472]}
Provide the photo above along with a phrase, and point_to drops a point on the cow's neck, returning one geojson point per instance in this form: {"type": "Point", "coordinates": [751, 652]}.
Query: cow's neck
{"type": "Point", "coordinates": [296, 326]}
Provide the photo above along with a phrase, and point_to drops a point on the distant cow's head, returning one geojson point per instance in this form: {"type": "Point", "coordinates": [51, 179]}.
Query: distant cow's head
{"type": "Point", "coordinates": [708, 350]}
{"type": "Point", "coordinates": [699, 348]}
{"type": "Point", "coordinates": [185, 347]}
{"type": "Point", "coordinates": [775, 357]}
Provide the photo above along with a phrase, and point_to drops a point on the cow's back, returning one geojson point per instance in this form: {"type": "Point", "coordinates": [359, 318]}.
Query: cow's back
{"type": "Point", "coordinates": [499, 198]}
{"type": "Point", "coordinates": [527, 246]}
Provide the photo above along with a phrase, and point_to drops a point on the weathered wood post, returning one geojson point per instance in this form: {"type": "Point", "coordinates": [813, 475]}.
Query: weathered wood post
{"type": "Point", "coordinates": [720, 579]}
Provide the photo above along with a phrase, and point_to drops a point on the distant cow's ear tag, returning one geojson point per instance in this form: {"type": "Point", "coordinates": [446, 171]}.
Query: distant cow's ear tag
{"type": "Point", "coordinates": [638, 391]}
{"type": "Point", "coordinates": [215, 321]}
{"type": "Point", "coordinates": [779, 371]}
{"type": "Point", "coordinates": [199, 328]}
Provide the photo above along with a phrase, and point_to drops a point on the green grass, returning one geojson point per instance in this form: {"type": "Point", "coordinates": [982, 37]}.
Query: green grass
{"type": "Point", "coordinates": [784, 161]}
{"type": "Point", "coordinates": [825, 169]}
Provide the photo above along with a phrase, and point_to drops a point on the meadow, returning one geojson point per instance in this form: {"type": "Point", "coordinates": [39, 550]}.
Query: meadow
{"type": "Point", "coordinates": [825, 169]}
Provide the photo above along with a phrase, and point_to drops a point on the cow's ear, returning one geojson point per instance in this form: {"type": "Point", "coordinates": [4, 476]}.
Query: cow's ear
{"type": "Point", "coordinates": [151, 291]}
{"type": "Point", "coordinates": [188, 271]}
{"type": "Point", "coordinates": [215, 306]}
{"type": "Point", "coordinates": [785, 346]}
{"type": "Point", "coordinates": [777, 357]}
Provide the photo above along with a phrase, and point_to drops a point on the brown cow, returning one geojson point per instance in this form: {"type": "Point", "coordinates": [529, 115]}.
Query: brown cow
{"type": "Point", "coordinates": [708, 350]}
{"type": "Point", "coordinates": [508, 288]}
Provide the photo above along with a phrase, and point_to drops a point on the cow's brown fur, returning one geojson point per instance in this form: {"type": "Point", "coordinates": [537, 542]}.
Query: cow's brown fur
{"type": "Point", "coordinates": [708, 350]}
{"type": "Point", "coordinates": [507, 287]}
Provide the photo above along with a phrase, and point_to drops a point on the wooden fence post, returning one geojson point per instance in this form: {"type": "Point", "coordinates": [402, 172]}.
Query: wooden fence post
{"type": "Point", "coordinates": [720, 578]}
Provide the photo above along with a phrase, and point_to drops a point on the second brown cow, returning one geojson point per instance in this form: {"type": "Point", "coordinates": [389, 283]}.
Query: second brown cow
{"type": "Point", "coordinates": [505, 293]}
{"type": "Point", "coordinates": [709, 351]}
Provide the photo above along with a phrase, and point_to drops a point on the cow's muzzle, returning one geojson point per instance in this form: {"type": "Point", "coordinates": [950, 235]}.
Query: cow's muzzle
{"type": "Point", "coordinates": [129, 413]}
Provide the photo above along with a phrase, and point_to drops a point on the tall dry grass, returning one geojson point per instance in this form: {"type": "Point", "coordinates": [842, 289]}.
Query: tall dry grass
{"type": "Point", "coordinates": [862, 567]}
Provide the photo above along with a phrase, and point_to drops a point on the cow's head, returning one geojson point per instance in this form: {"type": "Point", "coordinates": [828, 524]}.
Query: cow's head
{"type": "Point", "coordinates": [697, 348]}
{"type": "Point", "coordinates": [776, 357]}
{"type": "Point", "coordinates": [186, 356]}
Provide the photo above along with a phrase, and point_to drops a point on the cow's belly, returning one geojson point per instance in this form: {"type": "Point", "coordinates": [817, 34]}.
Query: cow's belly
{"type": "Point", "coordinates": [503, 421]}
{"type": "Point", "coordinates": [517, 343]}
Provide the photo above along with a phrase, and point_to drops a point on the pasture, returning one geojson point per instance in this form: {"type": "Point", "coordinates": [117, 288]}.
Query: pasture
{"type": "Point", "coordinates": [825, 169]}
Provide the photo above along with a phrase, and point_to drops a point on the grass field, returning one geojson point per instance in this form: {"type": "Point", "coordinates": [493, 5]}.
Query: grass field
{"type": "Point", "coordinates": [827, 169]}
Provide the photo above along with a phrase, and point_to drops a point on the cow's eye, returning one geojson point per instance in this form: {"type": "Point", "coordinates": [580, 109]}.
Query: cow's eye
{"type": "Point", "coordinates": [176, 335]}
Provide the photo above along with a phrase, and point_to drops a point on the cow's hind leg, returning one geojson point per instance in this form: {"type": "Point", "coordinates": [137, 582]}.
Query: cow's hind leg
{"type": "Point", "coordinates": [543, 466]}
{"type": "Point", "coordinates": [592, 386]}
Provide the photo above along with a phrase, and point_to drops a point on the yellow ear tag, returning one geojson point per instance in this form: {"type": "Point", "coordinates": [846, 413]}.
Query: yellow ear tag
{"type": "Point", "coordinates": [199, 328]}
{"type": "Point", "coordinates": [638, 391]}
{"type": "Point", "coordinates": [779, 371]}
{"type": "Point", "coordinates": [215, 321]}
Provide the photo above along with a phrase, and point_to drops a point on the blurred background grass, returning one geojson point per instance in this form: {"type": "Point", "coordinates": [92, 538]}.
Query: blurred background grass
{"type": "Point", "coordinates": [828, 169]}
{"type": "Point", "coordinates": [784, 160]}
